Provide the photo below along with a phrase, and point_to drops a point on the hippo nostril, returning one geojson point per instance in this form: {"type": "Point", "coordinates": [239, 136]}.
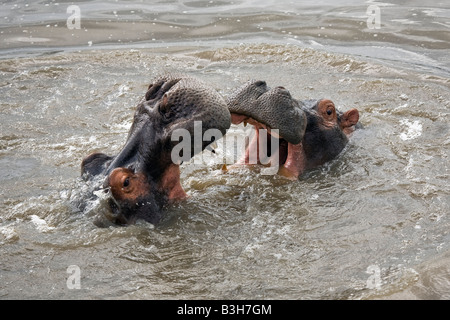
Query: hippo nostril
{"type": "Point", "coordinates": [260, 83]}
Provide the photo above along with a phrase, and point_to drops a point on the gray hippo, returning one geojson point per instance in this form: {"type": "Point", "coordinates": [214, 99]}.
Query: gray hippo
{"type": "Point", "coordinates": [311, 132]}
{"type": "Point", "coordinates": [144, 176]}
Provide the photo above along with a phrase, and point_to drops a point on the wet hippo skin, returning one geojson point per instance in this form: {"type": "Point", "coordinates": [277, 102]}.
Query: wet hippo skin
{"type": "Point", "coordinates": [311, 132]}
{"type": "Point", "coordinates": [143, 176]}
{"type": "Point", "coordinates": [327, 131]}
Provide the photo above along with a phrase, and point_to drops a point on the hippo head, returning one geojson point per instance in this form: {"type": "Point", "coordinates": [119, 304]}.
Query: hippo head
{"type": "Point", "coordinates": [144, 176]}
{"type": "Point", "coordinates": [327, 131]}
{"type": "Point", "coordinates": [268, 108]}
{"type": "Point", "coordinates": [310, 132]}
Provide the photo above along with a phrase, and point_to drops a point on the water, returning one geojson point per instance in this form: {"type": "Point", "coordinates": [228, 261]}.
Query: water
{"type": "Point", "coordinates": [371, 224]}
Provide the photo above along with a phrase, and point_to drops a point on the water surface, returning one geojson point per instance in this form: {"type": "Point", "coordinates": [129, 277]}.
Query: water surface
{"type": "Point", "coordinates": [371, 224]}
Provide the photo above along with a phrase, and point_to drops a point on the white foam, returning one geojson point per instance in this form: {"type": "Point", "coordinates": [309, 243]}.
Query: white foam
{"type": "Point", "coordinates": [40, 224]}
{"type": "Point", "coordinates": [101, 194]}
{"type": "Point", "coordinates": [413, 129]}
{"type": "Point", "coordinates": [8, 234]}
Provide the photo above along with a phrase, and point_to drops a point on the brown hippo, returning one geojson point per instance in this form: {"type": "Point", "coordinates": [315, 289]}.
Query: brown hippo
{"type": "Point", "coordinates": [144, 176]}
{"type": "Point", "coordinates": [311, 132]}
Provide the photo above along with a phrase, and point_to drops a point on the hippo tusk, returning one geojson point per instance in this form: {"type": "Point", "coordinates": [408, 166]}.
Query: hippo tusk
{"type": "Point", "coordinates": [209, 148]}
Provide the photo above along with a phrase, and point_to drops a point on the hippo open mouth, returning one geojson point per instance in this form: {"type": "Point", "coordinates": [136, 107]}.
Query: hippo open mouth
{"type": "Point", "coordinates": [309, 133]}
{"type": "Point", "coordinates": [145, 175]}
{"type": "Point", "coordinates": [278, 119]}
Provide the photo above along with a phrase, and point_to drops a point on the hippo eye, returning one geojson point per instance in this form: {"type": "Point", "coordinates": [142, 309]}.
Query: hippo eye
{"type": "Point", "coordinates": [126, 182]}
{"type": "Point", "coordinates": [329, 112]}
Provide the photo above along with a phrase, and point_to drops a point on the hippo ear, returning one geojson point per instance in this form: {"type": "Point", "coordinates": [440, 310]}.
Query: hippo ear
{"type": "Point", "coordinates": [350, 118]}
{"type": "Point", "coordinates": [95, 163]}
{"type": "Point", "coordinates": [164, 106]}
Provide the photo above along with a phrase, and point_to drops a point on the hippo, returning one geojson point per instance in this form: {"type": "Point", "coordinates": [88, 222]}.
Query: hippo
{"type": "Point", "coordinates": [310, 132]}
{"type": "Point", "coordinates": [145, 176]}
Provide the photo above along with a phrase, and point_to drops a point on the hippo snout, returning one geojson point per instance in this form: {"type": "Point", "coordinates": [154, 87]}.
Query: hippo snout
{"type": "Point", "coordinates": [273, 107]}
{"type": "Point", "coordinates": [312, 132]}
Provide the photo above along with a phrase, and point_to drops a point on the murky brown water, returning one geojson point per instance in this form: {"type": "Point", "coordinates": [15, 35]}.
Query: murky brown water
{"type": "Point", "coordinates": [372, 224]}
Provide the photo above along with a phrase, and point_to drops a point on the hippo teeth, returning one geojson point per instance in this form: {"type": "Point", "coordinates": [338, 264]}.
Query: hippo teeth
{"type": "Point", "coordinates": [212, 147]}
{"type": "Point", "coordinates": [209, 148]}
